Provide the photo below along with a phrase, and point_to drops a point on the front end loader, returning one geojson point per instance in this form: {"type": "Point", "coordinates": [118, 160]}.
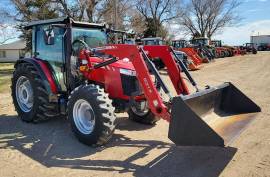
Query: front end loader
{"type": "Point", "coordinates": [88, 80]}
{"type": "Point", "coordinates": [210, 117]}
{"type": "Point", "coordinates": [196, 60]}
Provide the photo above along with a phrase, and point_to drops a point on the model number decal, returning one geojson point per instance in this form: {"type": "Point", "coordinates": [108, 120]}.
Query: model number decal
{"type": "Point", "coordinates": [147, 85]}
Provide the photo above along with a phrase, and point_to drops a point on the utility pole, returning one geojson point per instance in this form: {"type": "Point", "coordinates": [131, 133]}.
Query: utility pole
{"type": "Point", "coordinates": [115, 3]}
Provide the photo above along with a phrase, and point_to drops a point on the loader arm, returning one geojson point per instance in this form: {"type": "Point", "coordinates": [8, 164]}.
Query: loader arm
{"type": "Point", "coordinates": [174, 71]}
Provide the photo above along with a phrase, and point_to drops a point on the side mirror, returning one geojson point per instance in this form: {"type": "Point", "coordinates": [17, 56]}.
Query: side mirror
{"type": "Point", "coordinates": [48, 36]}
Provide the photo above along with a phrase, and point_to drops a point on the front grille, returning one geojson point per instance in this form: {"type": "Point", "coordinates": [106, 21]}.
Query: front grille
{"type": "Point", "coordinates": [130, 85]}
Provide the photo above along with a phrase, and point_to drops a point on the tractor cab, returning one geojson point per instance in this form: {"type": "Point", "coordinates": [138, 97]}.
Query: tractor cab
{"type": "Point", "coordinates": [152, 41]}
{"type": "Point", "coordinates": [200, 41]}
{"type": "Point", "coordinates": [178, 44]}
{"type": "Point", "coordinates": [204, 49]}
{"type": "Point", "coordinates": [216, 43]}
{"type": "Point", "coordinates": [250, 48]}
{"type": "Point", "coordinates": [120, 37]}
{"type": "Point", "coordinates": [59, 41]}
{"type": "Point", "coordinates": [250, 45]}
{"type": "Point", "coordinates": [130, 41]}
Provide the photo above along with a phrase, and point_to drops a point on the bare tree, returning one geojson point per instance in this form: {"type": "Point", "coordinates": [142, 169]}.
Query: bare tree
{"type": "Point", "coordinates": [204, 18]}
{"type": "Point", "coordinates": [137, 22]}
{"type": "Point", "coordinates": [107, 12]}
{"type": "Point", "coordinates": [82, 10]}
{"type": "Point", "coordinates": [156, 12]}
{"type": "Point", "coordinates": [7, 33]}
{"type": "Point", "coordinates": [7, 29]}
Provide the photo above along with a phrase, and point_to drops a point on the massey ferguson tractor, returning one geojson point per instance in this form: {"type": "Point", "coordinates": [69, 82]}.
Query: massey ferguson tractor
{"type": "Point", "coordinates": [74, 72]}
{"type": "Point", "coordinates": [153, 41]}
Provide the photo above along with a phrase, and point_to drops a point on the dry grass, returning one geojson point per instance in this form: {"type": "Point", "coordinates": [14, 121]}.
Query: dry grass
{"type": "Point", "coordinates": [6, 70]}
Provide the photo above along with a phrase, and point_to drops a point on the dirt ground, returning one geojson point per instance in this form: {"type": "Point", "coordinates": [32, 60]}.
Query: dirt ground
{"type": "Point", "coordinates": [50, 149]}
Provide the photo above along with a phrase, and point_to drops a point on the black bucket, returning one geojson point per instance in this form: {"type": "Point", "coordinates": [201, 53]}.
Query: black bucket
{"type": "Point", "coordinates": [213, 117]}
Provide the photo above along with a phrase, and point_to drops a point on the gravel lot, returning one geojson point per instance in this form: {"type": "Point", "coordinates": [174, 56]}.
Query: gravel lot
{"type": "Point", "coordinates": [50, 149]}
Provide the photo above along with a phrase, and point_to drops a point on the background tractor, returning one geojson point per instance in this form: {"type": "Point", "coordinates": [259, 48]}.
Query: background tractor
{"type": "Point", "coordinates": [75, 72]}
{"type": "Point", "coordinates": [183, 46]}
{"type": "Point", "coordinates": [264, 47]}
{"type": "Point", "coordinates": [250, 48]}
{"type": "Point", "coordinates": [222, 51]}
{"type": "Point", "coordinates": [152, 41]}
{"type": "Point", "coordinates": [203, 48]}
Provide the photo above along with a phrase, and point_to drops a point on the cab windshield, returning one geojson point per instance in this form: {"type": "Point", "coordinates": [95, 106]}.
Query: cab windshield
{"type": "Point", "coordinates": [153, 42]}
{"type": "Point", "coordinates": [93, 37]}
{"type": "Point", "coordinates": [179, 44]}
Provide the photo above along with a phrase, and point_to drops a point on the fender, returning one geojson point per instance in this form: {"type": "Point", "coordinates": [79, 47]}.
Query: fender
{"type": "Point", "coordinates": [45, 74]}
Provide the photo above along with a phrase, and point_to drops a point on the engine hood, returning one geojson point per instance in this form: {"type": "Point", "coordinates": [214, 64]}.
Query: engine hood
{"type": "Point", "coordinates": [124, 63]}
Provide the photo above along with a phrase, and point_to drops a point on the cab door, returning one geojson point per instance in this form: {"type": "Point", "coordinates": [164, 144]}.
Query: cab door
{"type": "Point", "coordinates": [52, 52]}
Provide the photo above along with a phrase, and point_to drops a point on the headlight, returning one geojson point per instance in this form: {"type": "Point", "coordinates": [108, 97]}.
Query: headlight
{"type": "Point", "coordinates": [84, 62]}
{"type": "Point", "coordinates": [127, 72]}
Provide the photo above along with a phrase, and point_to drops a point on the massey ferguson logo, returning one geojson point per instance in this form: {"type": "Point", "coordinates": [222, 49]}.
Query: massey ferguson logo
{"type": "Point", "coordinates": [110, 47]}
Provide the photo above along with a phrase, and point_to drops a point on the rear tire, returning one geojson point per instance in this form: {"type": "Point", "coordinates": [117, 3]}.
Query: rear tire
{"type": "Point", "coordinates": [223, 54]}
{"type": "Point", "coordinates": [142, 116]}
{"type": "Point", "coordinates": [91, 115]}
{"type": "Point", "coordinates": [38, 108]}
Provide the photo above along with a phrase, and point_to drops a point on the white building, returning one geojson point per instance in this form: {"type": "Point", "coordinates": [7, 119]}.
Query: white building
{"type": "Point", "coordinates": [260, 39]}
{"type": "Point", "coordinates": [12, 51]}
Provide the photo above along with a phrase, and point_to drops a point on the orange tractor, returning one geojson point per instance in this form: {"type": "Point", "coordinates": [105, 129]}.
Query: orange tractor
{"type": "Point", "coordinates": [156, 41]}
{"type": "Point", "coordinates": [181, 45]}
{"type": "Point", "coordinates": [222, 51]}
{"type": "Point", "coordinates": [74, 72]}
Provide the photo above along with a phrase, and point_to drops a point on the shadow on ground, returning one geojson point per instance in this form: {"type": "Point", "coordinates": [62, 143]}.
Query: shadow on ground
{"type": "Point", "coordinates": [53, 145]}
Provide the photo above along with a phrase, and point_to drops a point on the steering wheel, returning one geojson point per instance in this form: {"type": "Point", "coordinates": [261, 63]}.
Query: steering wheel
{"type": "Point", "coordinates": [77, 50]}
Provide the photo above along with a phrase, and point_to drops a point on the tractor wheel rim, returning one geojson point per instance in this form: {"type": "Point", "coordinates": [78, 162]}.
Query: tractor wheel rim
{"type": "Point", "coordinates": [140, 108]}
{"type": "Point", "coordinates": [24, 94]}
{"type": "Point", "coordinates": [84, 116]}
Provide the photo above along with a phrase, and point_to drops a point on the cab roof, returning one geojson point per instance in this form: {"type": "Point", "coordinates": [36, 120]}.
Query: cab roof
{"type": "Point", "coordinates": [151, 38]}
{"type": "Point", "coordinates": [64, 20]}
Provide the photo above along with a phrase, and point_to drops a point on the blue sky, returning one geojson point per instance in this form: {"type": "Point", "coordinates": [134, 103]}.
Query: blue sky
{"type": "Point", "coordinates": [256, 20]}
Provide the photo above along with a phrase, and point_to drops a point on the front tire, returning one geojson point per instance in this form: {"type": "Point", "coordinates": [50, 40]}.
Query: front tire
{"type": "Point", "coordinates": [142, 114]}
{"type": "Point", "coordinates": [91, 115]}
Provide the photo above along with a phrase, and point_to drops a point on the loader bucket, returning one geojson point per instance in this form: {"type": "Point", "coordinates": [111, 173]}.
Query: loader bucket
{"type": "Point", "coordinates": [213, 117]}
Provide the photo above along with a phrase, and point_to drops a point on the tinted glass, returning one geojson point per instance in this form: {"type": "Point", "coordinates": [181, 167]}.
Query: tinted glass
{"type": "Point", "coordinates": [93, 37]}
{"type": "Point", "coordinates": [54, 54]}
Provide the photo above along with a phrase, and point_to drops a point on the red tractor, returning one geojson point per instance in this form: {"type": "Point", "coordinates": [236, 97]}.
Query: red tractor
{"type": "Point", "coordinates": [222, 51]}
{"type": "Point", "coordinates": [156, 41]}
{"type": "Point", "coordinates": [74, 72]}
